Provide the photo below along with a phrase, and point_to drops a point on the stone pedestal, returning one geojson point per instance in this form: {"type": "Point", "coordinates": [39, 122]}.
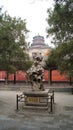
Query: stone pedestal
{"type": "Point", "coordinates": [36, 98]}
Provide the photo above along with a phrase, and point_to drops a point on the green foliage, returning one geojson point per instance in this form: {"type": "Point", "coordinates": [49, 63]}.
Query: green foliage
{"type": "Point", "coordinates": [51, 61]}
{"type": "Point", "coordinates": [61, 57]}
{"type": "Point", "coordinates": [13, 46]}
{"type": "Point", "coordinates": [65, 58]}
{"type": "Point", "coordinates": [60, 21]}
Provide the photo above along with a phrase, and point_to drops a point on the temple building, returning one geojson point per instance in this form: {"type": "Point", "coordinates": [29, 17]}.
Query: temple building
{"type": "Point", "coordinates": [38, 46]}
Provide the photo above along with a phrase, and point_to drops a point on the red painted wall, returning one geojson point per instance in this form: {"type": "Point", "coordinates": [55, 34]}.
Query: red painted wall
{"type": "Point", "coordinates": [56, 76]}
{"type": "Point", "coordinates": [20, 75]}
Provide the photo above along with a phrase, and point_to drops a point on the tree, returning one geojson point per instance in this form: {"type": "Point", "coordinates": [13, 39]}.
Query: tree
{"type": "Point", "coordinates": [51, 63]}
{"type": "Point", "coordinates": [60, 21]}
{"type": "Point", "coordinates": [61, 58]}
{"type": "Point", "coordinates": [13, 46]}
{"type": "Point", "coordinates": [65, 58]}
{"type": "Point", "coordinates": [51, 60]}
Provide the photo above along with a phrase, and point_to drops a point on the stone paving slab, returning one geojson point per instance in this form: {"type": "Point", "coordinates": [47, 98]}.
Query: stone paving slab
{"type": "Point", "coordinates": [60, 119]}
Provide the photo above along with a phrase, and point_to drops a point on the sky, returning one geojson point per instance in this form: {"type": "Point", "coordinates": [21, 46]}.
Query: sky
{"type": "Point", "coordinates": [35, 13]}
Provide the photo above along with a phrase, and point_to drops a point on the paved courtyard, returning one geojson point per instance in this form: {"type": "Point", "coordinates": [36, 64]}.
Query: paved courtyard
{"type": "Point", "coordinates": [60, 119]}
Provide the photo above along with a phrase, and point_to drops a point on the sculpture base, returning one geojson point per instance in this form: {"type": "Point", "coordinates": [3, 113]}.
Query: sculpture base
{"type": "Point", "coordinates": [36, 98]}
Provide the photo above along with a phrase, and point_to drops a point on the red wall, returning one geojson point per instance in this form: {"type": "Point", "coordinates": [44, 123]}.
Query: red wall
{"type": "Point", "coordinates": [20, 75]}
{"type": "Point", "coordinates": [58, 77]}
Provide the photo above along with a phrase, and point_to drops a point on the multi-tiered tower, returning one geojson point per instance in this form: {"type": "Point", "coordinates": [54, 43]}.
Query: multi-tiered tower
{"type": "Point", "coordinates": [38, 46]}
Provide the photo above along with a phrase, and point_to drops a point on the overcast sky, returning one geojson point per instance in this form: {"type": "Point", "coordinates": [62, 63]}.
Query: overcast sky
{"type": "Point", "coordinates": [35, 13]}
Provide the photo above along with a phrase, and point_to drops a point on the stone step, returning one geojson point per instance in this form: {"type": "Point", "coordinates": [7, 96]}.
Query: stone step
{"type": "Point", "coordinates": [36, 107]}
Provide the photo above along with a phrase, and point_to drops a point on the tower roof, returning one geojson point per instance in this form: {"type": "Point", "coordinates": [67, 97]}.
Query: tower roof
{"type": "Point", "coordinates": [38, 42]}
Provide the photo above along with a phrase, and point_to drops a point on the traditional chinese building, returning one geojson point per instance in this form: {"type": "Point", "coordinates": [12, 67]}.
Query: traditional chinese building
{"type": "Point", "coordinates": [38, 45]}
